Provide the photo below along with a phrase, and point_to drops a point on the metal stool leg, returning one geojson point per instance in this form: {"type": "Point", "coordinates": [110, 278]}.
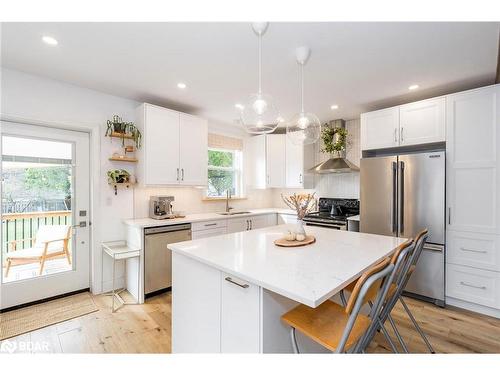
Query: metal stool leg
{"type": "Point", "coordinates": [294, 341]}
{"type": "Point", "coordinates": [398, 335]}
{"type": "Point", "coordinates": [387, 337]}
{"type": "Point", "coordinates": [417, 327]}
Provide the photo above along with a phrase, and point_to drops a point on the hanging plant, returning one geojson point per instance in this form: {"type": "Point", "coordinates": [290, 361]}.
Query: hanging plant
{"type": "Point", "coordinates": [124, 129]}
{"type": "Point", "coordinates": [334, 139]}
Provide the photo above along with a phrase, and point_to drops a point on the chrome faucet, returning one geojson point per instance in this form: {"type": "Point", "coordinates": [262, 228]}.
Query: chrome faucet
{"type": "Point", "coordinates": [228, 197]}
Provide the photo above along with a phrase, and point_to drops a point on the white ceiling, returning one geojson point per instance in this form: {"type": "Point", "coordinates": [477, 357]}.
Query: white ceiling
{"type": "Point", "coordinates": [359, 66]}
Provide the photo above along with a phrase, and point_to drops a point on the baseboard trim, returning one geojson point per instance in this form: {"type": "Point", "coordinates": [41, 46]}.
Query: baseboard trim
{"type": "Point", "coordinates": [469, 306]}
{"type": "Point", "coordinates": [43, 300]}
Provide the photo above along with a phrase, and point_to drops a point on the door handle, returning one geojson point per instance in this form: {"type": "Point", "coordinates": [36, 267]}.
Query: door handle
{"type": "Point", "coordinates": [182, 170]}
{"type": "Point", "coordinates": [177, 174]}
{"type": "Point", "coordinates": [402, 200]}
{"type": "Point", "coordinates": [248, 224]}
{"type": "Point", "coordinates": [300, 178]}
{"type": "Point", "coordinates": [402, 134]}
{"type": "Point", "coordinates": [244, 286]}
{"type": "Point", "coordinates": [396, 135]}
{"type": "Point", "coordinates": [394, 197]}
{"type": "Point", "coordinates": [449, 215]}
{"type": "Point", "coordinates": [81, 224]}
{"type": "Point", "coordinates": [251, 224]}
{"type": "Point", "coordinates": [472, 286]}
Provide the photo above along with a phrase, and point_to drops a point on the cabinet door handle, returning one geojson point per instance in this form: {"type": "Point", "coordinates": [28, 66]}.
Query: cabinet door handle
{"type": "Point", "coordinates": [244, 286]}
{"type": "Point", "coordinates": [449, 215]}
{"type": "Point", "coordinates": [396, 135]}
{"type": "Point", "coordinates": [473, 251]}
{"type": "Point", "coordinates": [300, 178]}
{"type": "Point", "coordinates": [210, 225]}
{"type": "Point", "coordinates": [248, 223]}
{"type": "Point", "coordinates": [251, 224]}
{"type": "Point", "coordinates": [182, 171]}
{"type": "Point", "coordinates": [177, 174]}
{"type": "Point", "coordinates": [472, 286]}
{"type": "Point", "coordinates": [402, 135]}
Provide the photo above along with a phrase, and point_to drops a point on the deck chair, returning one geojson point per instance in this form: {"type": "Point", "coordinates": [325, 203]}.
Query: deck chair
{"type": "Point", "coordinates": [51, 241]}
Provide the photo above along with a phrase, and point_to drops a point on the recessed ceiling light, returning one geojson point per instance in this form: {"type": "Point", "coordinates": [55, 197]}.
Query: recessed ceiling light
{"type": "Point", "coordinates": [239, 106]}
{"type": "Point", "coordinates": [181, 85]}
{"type": "Point", "coordinates": [49, 40]}
{"type": "Point", "coordinates": [413, 87]}
{"type": "Point", "coordinates": [335, 106]}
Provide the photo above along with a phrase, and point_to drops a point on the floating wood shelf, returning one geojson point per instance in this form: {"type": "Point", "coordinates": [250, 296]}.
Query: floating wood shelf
{"type": "Point", "coordinates": [121, 135]}
{"type": "Point", "coordinates": [117, 158]}
{"type": "Point", "coordinates": [117, 184]}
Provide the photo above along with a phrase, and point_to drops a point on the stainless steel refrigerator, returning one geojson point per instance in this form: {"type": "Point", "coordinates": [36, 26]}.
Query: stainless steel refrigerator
{"type": "Point", "coordinates": [400, 195]}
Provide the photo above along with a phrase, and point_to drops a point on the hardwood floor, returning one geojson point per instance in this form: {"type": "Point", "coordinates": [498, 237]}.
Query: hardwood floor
{"type": "Point", "coordinates": [146, 329]}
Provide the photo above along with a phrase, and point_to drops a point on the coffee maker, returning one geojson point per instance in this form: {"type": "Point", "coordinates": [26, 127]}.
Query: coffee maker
{"type": "Point", "coordinates": [160, 207]}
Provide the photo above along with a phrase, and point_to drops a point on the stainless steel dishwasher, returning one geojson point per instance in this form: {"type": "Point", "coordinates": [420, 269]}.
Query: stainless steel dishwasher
{"type": "Point", "coordinates": [158, 258]}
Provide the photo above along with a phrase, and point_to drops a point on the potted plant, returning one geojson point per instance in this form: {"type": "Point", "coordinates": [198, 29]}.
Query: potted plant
{"type": "Point", "coordinates": [118, 176]}
{"type": "Point", "coordinates": [116, 125]}
{"type": "Point", "coordinates": [302, 204]}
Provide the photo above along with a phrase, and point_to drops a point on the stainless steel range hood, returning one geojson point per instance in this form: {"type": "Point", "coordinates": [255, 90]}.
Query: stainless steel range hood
{"type": "Point", "coordinates": [338, 162]}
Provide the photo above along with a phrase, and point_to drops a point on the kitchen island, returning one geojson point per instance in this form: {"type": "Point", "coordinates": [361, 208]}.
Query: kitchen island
{"type": "Point", "coordinates": [229, 291]}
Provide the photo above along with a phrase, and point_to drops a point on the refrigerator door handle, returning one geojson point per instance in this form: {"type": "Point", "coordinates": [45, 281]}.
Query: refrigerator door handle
{"type": "Point", "coordinates": [394, 197]}
{"type": "Point", "coordinates": [402, 198]}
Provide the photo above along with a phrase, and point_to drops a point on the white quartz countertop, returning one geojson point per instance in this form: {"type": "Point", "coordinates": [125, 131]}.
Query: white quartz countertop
{"type": "Point", "coordinates": [353, 218]}
{"type": "Point", "coordinates": [309, 274]}
{"type": "Point", "coordinates": [192, 218]}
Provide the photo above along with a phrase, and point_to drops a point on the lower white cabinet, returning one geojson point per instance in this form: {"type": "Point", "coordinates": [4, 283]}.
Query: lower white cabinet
{"type": "Point", "coordinates": [473, 285]}
{"type": "Point", "coordinates": [242, 224]}
{"type": "Point", "coordinates": [240, 316]}
{"type": "Point", "coordinates": [287, 219]}
{"type": "Point", "coordinates": [476, 250]}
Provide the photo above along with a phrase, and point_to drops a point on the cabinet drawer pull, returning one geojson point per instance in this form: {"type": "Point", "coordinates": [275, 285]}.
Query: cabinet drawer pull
{"type": "Point", "coordinates": [473, 251]}
{"type": "Point", "coordinates": [210, 225]}
{"type": "Point", "coordinates": [244, 286]}
{"type": "Point", "coordinates": [472, 286]}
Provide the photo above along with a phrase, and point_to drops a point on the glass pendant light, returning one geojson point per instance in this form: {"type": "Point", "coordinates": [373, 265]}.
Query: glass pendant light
{"type": "Point", "coordinates": [259, 115]}
{"type": "Point", "coordinates": [304, 128]}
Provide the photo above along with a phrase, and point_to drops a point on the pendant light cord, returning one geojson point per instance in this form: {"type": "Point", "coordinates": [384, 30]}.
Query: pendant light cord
{"type": "Point", "coordinates": [302, 87]}
{"type": "Point", "coordinates": [260, 63]}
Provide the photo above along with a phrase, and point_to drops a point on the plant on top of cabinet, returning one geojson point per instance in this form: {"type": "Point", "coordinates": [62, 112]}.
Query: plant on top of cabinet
{"type": "Point", "coordinates": [124, 130]}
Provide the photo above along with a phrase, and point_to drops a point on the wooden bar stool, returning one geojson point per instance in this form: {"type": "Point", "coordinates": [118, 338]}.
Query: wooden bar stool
{"type": "Point", "coordinates": [333, 326]}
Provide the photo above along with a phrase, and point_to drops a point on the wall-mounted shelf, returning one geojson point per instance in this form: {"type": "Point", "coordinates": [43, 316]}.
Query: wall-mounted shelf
{"type": "Point", "coordinates": [121, 135]}
{"type": "Point", "coordinates": [124, 158]}
{"type": "Point", "coordinates": [122, 184]}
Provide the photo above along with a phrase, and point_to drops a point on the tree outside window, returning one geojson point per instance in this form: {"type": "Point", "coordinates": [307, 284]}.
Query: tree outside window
{"type": "Point", "coordinates": [224, 172]}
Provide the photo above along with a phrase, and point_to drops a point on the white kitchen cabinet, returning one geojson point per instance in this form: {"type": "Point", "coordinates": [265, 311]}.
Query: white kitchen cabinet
{"type": "Point", "coordinates": [174, 147]}
{"type": "Point", "coordinates": [422, 122]}
{"type": "Point", "coordinates": [275, 160]}
{"type": "Point", "coordinates": [193, 158]}
{"type": "Point", "coordinates": [240, 316]}
{"type": "Point", "coordinates": [407, 125]}
{"type": "Point", "coordinates": [380, 129]}
{"type": "Point", "coordinates": [294, 161]}
{"type": "Point", "coordinates": [476, 250]}
{"type": "Point", "coordinates": [255, 162]}
{"type": "Point", "coordinates": [287, 219]}
{"type": "Point", "coordinates": [250, 222]}
{"type": "Point", "coordinates": [473, 178]}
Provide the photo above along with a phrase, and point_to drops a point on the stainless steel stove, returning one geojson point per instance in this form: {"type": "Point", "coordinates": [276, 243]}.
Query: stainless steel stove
{"type": "Point", "coordinates": [333, 213]}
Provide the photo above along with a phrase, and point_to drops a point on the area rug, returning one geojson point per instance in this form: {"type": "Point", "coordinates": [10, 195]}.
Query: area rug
{"type": "Point", "coordinates": [27, 319]}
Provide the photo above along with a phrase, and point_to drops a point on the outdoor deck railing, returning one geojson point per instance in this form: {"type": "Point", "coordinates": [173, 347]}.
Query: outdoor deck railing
{"type": "Point", "coordinates": [18, 226]}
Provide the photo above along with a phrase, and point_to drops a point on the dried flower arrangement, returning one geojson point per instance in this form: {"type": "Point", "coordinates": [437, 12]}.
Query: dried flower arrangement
{"type": "Point", "coordinates": [301, 203]}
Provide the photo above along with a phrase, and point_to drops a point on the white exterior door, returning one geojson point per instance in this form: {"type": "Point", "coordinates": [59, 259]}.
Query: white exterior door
{"type": "Point", "coordinates": [161, 145]}
{"type": "Point", "coordinates": [422, 122]}
{"type": "Point", "coordinates": [380, 129]}
{"type": "Point", "coordinates": [41, 155]}
{"type": "Point", "coordinates": [193, 160]}
{"type": "Point", "coordinates": [473, 180]}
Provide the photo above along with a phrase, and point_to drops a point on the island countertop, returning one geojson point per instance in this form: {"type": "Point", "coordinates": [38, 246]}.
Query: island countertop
{"type": "Point", "coordinates": [309, 275]}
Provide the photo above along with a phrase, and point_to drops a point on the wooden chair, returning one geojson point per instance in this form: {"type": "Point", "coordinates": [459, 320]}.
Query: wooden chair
{"type": "Point", "coordinates": [333, 326]}
{"type": "Point", "coordinates": [51, 241]}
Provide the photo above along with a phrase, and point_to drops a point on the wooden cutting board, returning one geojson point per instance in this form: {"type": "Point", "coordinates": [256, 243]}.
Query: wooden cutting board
{"type": "Point", "coordinates": [285, 243]}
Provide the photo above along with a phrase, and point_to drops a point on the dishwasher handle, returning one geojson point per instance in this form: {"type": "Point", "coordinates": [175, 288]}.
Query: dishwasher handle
{"type": "Point", "coordinates": [167, 228]}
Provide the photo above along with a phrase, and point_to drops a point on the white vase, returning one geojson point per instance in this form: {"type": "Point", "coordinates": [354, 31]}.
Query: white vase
{"type": "Point", "coordinates": [299, 228]}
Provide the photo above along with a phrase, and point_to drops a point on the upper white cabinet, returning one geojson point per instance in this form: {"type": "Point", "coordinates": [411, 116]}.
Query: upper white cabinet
{"type": "Point", "coordinates": [422, 122]}
{"type": "Point", "coordinates": [174, 150]}
{"type": "Point", "coordinates": [473, 179]}
{"type": "Point", "coordinates": [380, 129]}
{"type": "Point", "coordinates": [410, 124]}
{"type": "Point", "coordinates": [294, 155]}
{"type": "Point", "coordinates": [275, 160]}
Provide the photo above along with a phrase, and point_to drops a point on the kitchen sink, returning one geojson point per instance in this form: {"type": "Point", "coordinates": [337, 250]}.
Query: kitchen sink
{"type": "Point", "coordinates": [234, 213]}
